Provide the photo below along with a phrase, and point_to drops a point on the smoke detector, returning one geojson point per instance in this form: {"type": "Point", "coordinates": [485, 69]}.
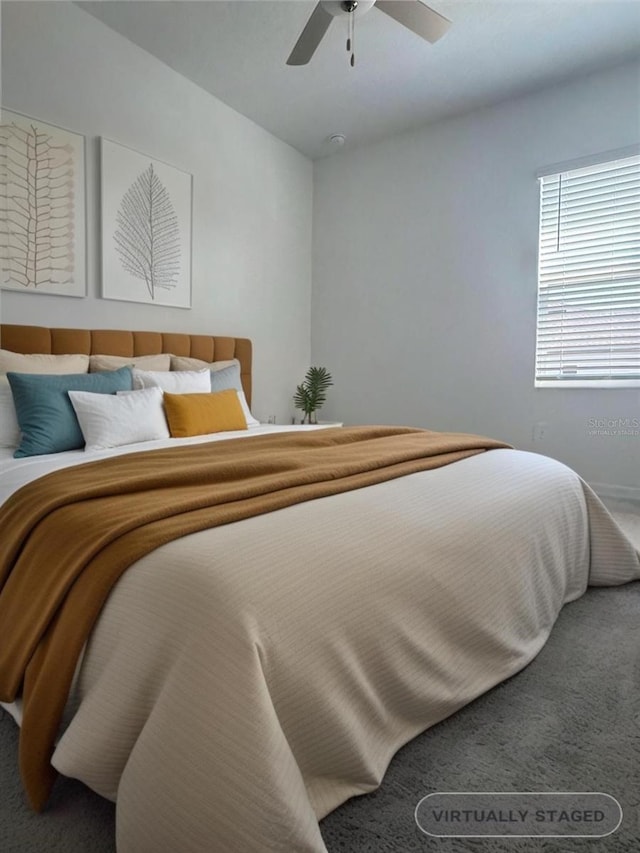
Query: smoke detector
{"type": "Point", "coordinates": [336, 140]}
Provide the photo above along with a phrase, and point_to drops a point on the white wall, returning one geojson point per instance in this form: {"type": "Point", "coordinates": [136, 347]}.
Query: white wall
{"type": "Point", "coordinates": [251, 264]}
{"type": "Point", "coordinates": [424, 288]}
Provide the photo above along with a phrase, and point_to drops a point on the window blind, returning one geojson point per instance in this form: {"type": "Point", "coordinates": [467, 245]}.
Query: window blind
{"type": "Point", "coordinates": [589, 276]}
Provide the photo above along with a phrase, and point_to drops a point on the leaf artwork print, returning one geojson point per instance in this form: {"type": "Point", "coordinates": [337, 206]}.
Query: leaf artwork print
{"type": "Point", "coordinates": [148, 235]}
{"type": "Point", "coordinates": [37, 210]}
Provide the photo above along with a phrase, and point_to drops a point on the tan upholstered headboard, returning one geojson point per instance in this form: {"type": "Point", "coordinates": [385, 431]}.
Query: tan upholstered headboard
{"type": "Point", "coordinates": [30, 339]}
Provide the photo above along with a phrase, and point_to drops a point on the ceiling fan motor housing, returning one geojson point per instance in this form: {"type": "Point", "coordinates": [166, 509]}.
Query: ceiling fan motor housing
{"type": "Point", "coordinates": [342, 8]}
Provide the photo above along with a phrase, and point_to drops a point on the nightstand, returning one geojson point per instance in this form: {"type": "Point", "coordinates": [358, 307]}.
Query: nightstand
{"type": "Point", "coordinates": [320, 424]}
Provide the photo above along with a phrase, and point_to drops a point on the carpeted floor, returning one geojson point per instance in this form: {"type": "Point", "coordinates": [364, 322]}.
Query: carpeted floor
{"type": "Point", "coordinates": [570, 721]}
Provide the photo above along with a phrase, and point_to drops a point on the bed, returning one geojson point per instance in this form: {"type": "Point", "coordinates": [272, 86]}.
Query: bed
{"type": "Point", "coordinates": [242, 681]}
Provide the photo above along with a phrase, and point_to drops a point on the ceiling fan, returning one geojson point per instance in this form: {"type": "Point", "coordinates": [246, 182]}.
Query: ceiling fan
{"type": "Point", "coordinates": [413, 14]}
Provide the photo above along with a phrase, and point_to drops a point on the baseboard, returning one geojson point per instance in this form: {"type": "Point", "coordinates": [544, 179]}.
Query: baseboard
{"type": "Point", "coordinates": [617, 493]}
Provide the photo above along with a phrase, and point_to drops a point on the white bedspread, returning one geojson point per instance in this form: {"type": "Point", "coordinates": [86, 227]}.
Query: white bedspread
{"type": "Point", "coordinates": [242, 682]}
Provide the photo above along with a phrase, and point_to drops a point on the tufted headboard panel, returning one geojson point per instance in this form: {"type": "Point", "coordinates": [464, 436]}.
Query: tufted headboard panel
{"type": "Point", "coordinates": [32, 339]}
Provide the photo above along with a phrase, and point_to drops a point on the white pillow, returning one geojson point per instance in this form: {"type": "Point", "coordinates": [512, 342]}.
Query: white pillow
{"type": "Point", "coordinates": [9, 429]}
{"type": "Point", "coordinates": [251, 421]}
{"type": "Point", "coordinates": [175, 382]}
{"type": "Point", "coordinates": [38, 362]}
{"type": "Point", "coordinates": [162, 361]}
{"type": "Point", "coordinates": [111, 420]}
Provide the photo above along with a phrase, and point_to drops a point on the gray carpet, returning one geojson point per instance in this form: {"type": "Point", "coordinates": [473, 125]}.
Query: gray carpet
{"type": "Point", "coordinates": [569, 721]}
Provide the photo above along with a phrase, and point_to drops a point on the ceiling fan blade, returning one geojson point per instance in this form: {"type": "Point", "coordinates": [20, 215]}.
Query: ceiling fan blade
{"type": "Point", "coordinates": [311, 36]}
{"type": "Point", "coordinates": [414, 15]}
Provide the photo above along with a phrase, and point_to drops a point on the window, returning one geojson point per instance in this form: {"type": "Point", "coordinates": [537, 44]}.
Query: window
{"type": "Point", "coordinates": [589, 276]}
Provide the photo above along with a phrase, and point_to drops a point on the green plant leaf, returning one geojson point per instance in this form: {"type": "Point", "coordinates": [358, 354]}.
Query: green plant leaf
{"type": "Point", "coordinates": [311, 393]}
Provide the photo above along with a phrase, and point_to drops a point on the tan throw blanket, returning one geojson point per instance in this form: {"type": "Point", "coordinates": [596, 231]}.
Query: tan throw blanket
{"type": "Point", "coordinates": [67, 538]}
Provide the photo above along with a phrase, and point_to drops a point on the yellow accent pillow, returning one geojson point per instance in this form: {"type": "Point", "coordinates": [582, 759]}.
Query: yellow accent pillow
{"type": "Point", "coordinates": [200, 414]}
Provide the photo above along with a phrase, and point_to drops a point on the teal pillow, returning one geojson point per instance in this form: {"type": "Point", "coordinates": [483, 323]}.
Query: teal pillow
{"type": "Point", "coordinates": [45, 415]}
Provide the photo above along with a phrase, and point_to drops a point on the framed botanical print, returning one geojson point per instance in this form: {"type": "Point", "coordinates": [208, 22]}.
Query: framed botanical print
{"type": "Point", "coordinates": [146, 228]}
{"type": "Point", "coordinates": [42, 207]}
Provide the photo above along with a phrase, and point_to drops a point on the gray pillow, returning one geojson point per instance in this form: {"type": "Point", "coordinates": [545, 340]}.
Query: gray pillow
{"type": "Point", "coordinates": [228, 378]}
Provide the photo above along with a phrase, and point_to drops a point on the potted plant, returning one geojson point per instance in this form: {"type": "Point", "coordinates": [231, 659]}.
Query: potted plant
{"type": "Point", "coordinates": [311, 393]}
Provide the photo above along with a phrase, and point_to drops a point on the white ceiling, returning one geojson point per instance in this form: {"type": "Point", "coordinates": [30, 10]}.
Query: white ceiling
{"type": "Point", "coordinates": [494, 50]}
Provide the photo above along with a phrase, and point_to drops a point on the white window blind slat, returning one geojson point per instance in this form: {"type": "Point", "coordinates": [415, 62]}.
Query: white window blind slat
{"type": "Point", "coordinates": [604, 180]}
{"type": "Point", "coordinates": [595, 241]}
{"type": "Point", "coordinates": [591, 197]}
{"type": "Point", "coordinates": [628, 262]}
{"type": "Point", "coordinates": [588, 226]}
{"type": "Point", "coordinates": [588, 329]}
